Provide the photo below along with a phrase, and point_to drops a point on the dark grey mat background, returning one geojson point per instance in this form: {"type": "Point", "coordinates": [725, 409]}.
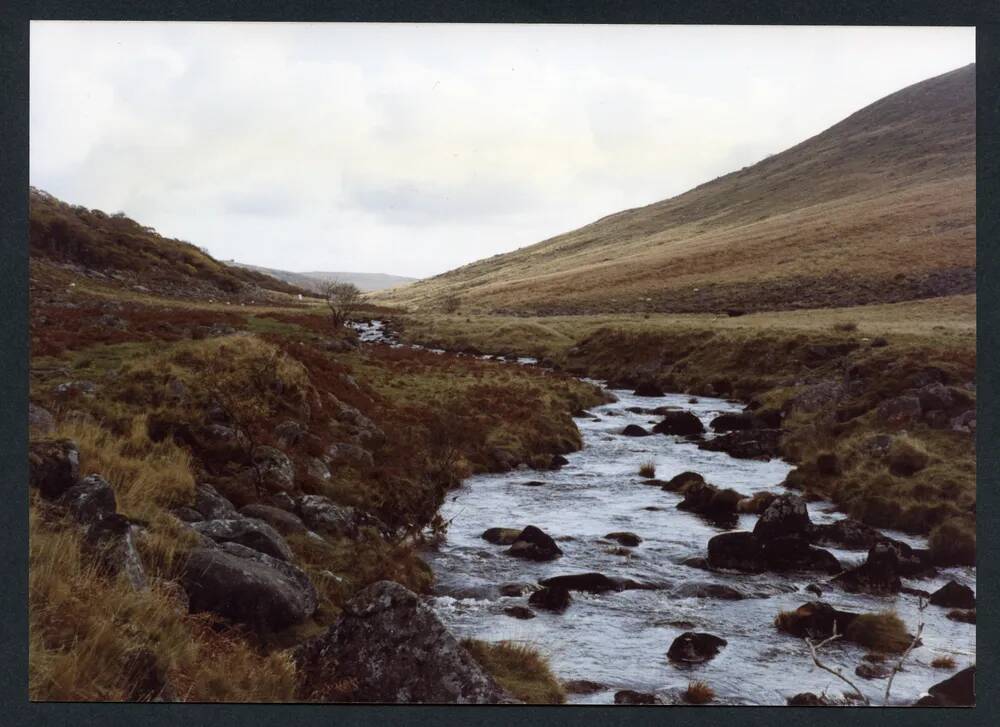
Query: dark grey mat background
{"type": "Point", "coordinates": [15, 14]}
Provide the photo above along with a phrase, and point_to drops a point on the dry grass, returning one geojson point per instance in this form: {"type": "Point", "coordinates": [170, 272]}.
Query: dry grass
{"type": "Point", "coordinates": [520, 669]}
{"type": "Point", "coordinates": [698, 692]}
{"type": "Point", "coordinates": [879, 631]}
{"type": "Point", "coordinates": [944, 662]}
{"type": "Point", "coordinates": [647, 469]}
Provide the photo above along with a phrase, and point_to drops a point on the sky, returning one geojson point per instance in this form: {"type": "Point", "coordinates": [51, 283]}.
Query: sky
{"type": "Point", "coordinates": [413, 149]}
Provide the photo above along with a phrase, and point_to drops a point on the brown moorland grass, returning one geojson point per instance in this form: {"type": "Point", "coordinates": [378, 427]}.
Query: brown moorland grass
{"type": "Point", "coordinates": [520, 669]}
{"type": "Point", "coordinates": [698, 692]}
{"type": "Point", "coordinates": [879, 631]}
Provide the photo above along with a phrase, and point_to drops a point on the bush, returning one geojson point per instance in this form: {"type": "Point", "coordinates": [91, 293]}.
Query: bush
{"type": "Point", "coordinates": [879, 631]}
{"type": "Point", "coordinates": [519, 669]}
{"type": "Point", "coordinates": [647, 469]}
{"type": "Point", "coordinates": [698, 693]}
{"type": "Point", "coordinates": [953, 542]}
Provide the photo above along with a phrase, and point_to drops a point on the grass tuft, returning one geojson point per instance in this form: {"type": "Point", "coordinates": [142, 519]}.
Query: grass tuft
{"type": "Point", "coordinates": [647, 469]}
{"type": "Point", "coordinates": [519, 669]}
{"type": "Point", "coordinates": [943, 662]}
{"type": "Point", "coordinates": [883, 632]}
{"type": "Point", "coordinates": [698, 692]}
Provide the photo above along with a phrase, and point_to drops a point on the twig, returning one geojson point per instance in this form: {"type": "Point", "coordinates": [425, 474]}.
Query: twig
{"type": "Point", "coordinates": [814, 648]}
{"type": "Point", "coordinates": [899, 664]}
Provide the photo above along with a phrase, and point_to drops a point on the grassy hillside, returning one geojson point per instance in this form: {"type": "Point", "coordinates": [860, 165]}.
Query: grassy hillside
{"type": "Point", "coordinates": [120, 253]}
{"type": "Point", "coordinates": [879, 208]}
{"type": "Point", "coordinates": [315, 281]}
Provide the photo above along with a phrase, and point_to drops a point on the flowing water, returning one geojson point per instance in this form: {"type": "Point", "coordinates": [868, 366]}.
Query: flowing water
{"type": "Point", "coordinates": [620, 639]}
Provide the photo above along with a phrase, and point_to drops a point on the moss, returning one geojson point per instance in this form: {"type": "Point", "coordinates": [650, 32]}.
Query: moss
{"type": "Point", "coordinates": [519, 669]}
{"type": "Point", "coordinates": [879, 631]}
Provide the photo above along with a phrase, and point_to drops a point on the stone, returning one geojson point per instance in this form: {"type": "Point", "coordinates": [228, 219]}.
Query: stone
{"type": "Point", "coordinates": [954, 595]}
{"type": "Point", "coordinates": [248, 587]}
{"type": "Point", "coordinates": [695, 648]}
{"type": "Point", "coordinates": [275, 469]}
{"type": "Point", "coordinates": [878, 575]}
{"type": "Point", "coordinates": [39, 419]}
{"type": "Point", "coordinates": [582, 686]}
{"type": "Point", "coordinates": [54, 466]}
{"type": "Point", "coordinates": [733, 422]}
{"type": "Point", "coordinates": [315, 467]}
{"type": "Point", "coordinates": [284, 522]}
{"type": "Point", "coordinates": [515, 590]}
{"type": "Point", "coordinates": [959, 690]}
{"type": "Point", "coordinates": [212, 505]}
{"type": "Point", "coordinates": [816, 619]}
{"type": "Point", "coordinates": [681, 423]}
{"type": "Point", "coordinates": [739, 550]}
{"type": "Point", "coordinates": [873, 671]}
{"type": "Point", "coordinates": [520, 612]}
{"type": "Point", "coordinates": [392, 648]}
{"type": "Point", "coordinates": [351, 455]}
{"type": "Point", "coordinates": [648, 388]}
{"type": "Point", "coordinates": [786, 515]}
{"type": "Point", "coordinates": [679, 482]}
{"type": "Point", "coordinates": [250, 533]}
{"type": "Point", "coordinates": [592, 582]}
{"type": "Point", "coordinates": [629, 539]}
{"type": "Point", "coordinates": [90, 500]}
{"type": "Point", "coordinates": [534, 544]}
{"type": "Point", "coordinates": [325, 516]}
{"type": "Point", "coordinates": [500, 536]}
{"type": "Point", "coordinates": [632, 697]}
{"type": "Point", "coordinates": [112, 539]}
{"type": "Point", "coordinates": [899, 411]}
{"type": "Point", "coordinates": [718, 591]}
{"type": "Point", "coordinates": [289, 433]}
{"type": "Point", "coordinates": [634, 430]}
{"type": "Point", "coordinates": [554, 598]}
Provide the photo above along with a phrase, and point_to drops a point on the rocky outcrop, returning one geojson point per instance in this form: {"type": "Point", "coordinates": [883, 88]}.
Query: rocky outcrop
{"type": "Point", "coordinates": [682, 423]}
{"type": "Point", "coordinates": [251, 533]}
{"type": "Point", "coordinates": [54, 466]}
{"type": "Point", "coordinates": [534, 544]}
{"type": "Point", "coordinates": [953, 595]}
{"type": "Point", "coordinates": [391, 647]}
{"type": "Point", "coordinates": [248, 587]}
{"type": "Point", "coordinates": [695, 648]}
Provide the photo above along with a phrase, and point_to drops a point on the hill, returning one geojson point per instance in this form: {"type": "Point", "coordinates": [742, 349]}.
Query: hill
{"type": "Point", "coordinates": [876, 209]}
{"type": "Point", "coordinates": [113, 251]}
{"type": "Point", "coordinates": [315, 281]}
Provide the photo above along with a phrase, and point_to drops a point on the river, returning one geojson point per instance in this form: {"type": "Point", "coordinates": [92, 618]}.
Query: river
{"type": "Point", "coordinates": [620, 639]}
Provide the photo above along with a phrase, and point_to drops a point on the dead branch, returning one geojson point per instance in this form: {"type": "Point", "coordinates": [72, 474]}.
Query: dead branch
{"type": "Point", "coordinates": [814, 649]}
{"type": "Point", "coordinates": [913, 644]}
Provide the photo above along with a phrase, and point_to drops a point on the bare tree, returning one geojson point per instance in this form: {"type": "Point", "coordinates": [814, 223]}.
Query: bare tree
{"type": "Point", "coordinates": [343, 299]}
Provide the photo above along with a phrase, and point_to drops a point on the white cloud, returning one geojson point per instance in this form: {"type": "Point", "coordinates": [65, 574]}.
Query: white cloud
{"type": "Point", "coordinates": [413, 149]}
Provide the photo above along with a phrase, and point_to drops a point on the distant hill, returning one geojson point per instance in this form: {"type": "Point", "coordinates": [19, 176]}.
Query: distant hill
{"type": "Point", "coordinates": [878, 208]}
{"type": "Point", "coordinates": [117, 251]}
{"type": "Point", "coordinates": [314, 281]}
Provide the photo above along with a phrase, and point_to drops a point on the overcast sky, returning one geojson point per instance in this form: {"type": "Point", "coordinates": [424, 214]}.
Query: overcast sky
{"type": "Point", "coordinates": [412, 149]}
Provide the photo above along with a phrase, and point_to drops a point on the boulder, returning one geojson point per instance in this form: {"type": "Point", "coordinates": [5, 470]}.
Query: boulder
{"type": "Point", "coordinates": [631, 697]}
{"type": "Point", "coordinates": [592, 582]}
{"type": "Point", "coordinates": [878, 575]}
{"type": "Point", "coordinates": [648, 388]}
{"type": "Point", "coordinates": [695, 648]}
{"type": "Point", "coordinates": [816, 619]}
{"type": "Point", "coordinates": [289, 433]}
{"type": "Point", "coordinates": [274, 468]}
{"type": "Point", "coordinates": [521, 612]}
{"type": "Point", "coordinates": [734, 422]}
{"type": "Point", "coordinates": [515, 590]}
{"type": "Point", "coordinates": [90, 500]}
{"type": "Point", "coordinates": [582, 686]}
{"type": "Point", "coordinates": [746, 444]}
{"type": "Point", "coordinates": [284, 522]}
{"type": "Point", "coordinates": [681, 423]}
{"type": "Point", "coordinates": [558, 461]}
{"type": "Point", "coordinates": [786, 515]}
{"type": "Point", "coordinates": [634, 430]}
{"type": "Point", "coordinates": [212, 505]}
{"type": "Point", "coordinates": [959, 690]}
{"type": "Point", "coordinates": [250, 533]}
{"type": "Point", "coordinates": [391, 647]}
{"type": "Point", "coordinates": [325, 516]}
{"type": "Point", "coordinates": [846, 533]}
{"type": "Point", "coordinates": [629, 539]}
{"type": "Point", "coordinates": [954, 595]}
{"type": "Point", "coordinates": [533, 544]}
{"type": "Point", "coordinates": [347, 454]}
{"type": "Point", "coordinates": [315, 467]}
{"type": "Point", "coordinates": [935, 396]}
{"type": "Point", "coordinates": [738, 550]}
{"type": "Point", "coordinates": [706, 499]}
{"type": "Point", "coordinates": [112, 540]}
{"type": "Point", "coordinates": [679, 482]}
{"type": "Point", "coordinates": [793, 553]}
{"type": "Point", "coordinates": [248, 587]}
{"type": "Point", "coordinates": [965, 617]}
{"type": "Point", "coordinates": [40, 420]}
{"type": "Point", "coordinates": [54, 466]}
{"type": "Point", "coordinates": [553, 598]}
{"type": "Point", "coordinates": [500, 536]}
{"type": "Point", "coordinates": [718, 591]}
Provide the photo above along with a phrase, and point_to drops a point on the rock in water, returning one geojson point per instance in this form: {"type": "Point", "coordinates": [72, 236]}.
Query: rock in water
{"type": "Point", "coordinates": [629, 696]}
{"type": "Point", "coordinates": [248, 587]}
{"type": "Point", "coordinates": [679, 422]}
{"type": "Point", "coordinates": [878, 575]}
{"type": "Point", "coordinates": [500, 536]}
{"type": "Point", "coordinates": [958, 690]}
{"type": "Point", "coordinates": [648, 388]}
{"type": "Point", "coordinates": [552, 598]}
{"type": "Point", "coordinates": [250, 533]}
{"type": "Point", "coordinates": [521, 612]}
{"type": "Point", "coordinates": [954, 595]}
{"type": "Point", "coordinates": [392, 648]}
{"type": "Point", "coordinates": [533, 544]}
{"type": "Point", "coordinates": [630, 539]}
{"type": "Point", "coordinates": [786, 515]}
{"type": "Point", "coordinates": [54, 466]}
{"type": "Point", "coordinates": [634, 430]}
{"type": "Point", "coordinates": [694, 648]}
